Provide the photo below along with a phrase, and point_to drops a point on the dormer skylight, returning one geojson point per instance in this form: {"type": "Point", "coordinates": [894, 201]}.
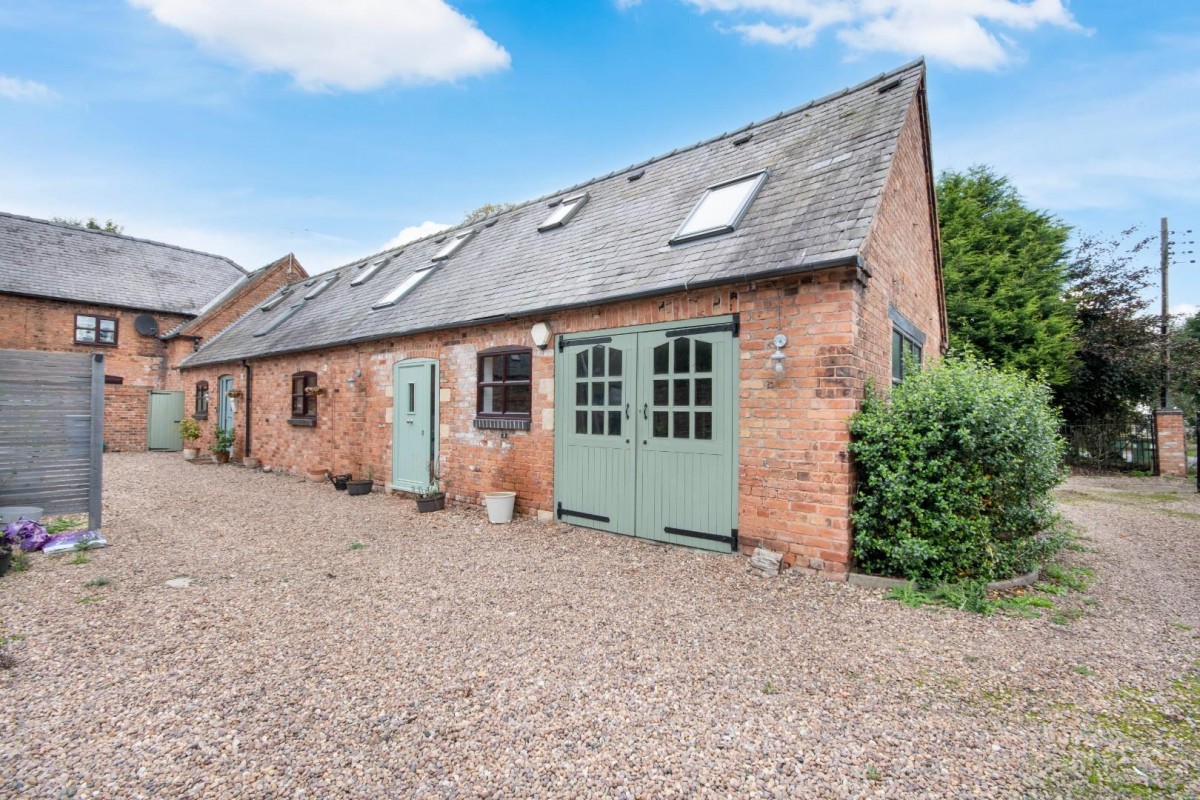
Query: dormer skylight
{"type": "Point", "coordinates": [411, 282]}
{"type": "Point", "coordinates": [453, 245]}
{"type": "Point", "coordinates": [563, 212]}
{"type": "Point", "coordinates": [368, 271]}
{"type": "Point", "coordinates": [320, 287]}
{"type": "Point", "coordinates": [279, 320]}
{"type": "Point", "coordinates": [721, 208]}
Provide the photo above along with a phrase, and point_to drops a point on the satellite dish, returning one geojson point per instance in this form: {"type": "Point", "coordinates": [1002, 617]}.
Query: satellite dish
{"type": "Point", "coordinates": [146, 325]}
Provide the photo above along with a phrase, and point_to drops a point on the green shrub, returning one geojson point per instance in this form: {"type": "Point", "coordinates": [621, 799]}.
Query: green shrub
{"type": "Point", "coordinates": [954, 474]}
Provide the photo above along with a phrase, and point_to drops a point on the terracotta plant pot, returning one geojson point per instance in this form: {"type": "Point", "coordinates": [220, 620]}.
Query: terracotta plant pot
{"type": "Point", "coordinates": [221, 457]}
{"type": "Point", "coordinates": [317, 475]}
{"type": "Point", "coordinates": [251, 463]}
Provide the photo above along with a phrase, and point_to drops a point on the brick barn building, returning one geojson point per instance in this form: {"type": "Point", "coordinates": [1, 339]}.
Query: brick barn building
{"type": "Point", "coordinates": [670, 351]}
{"type": "Point", "coordinates": [144, 305]}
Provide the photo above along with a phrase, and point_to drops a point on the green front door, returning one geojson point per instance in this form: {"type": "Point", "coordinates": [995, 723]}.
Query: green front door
{"type": "Point", "coordinates": [647, 447]}
{"type": "Point", "coordinates": [414, 424]}
{"type": "Point", "coordinates": [166, 410]}
{"type": "Point", "coordinates": [225, 403]}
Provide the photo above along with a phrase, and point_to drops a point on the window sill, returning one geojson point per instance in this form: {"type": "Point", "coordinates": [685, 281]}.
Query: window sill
{"type": "Point", "coordinates": [501, 424]}
{"type": "Point", "coordinates": [199, 416]}
{"type": "Point", "coordinates": [303, 422]}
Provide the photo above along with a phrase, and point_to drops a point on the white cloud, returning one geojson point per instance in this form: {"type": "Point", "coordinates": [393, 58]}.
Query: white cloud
{"type": "Point", "coordinates": [414, 232]}
{"type": "Point", "coordinates": [27, 91]}
{"type": "Point", "coordinates": [351, 45]}
{"type": "Point", "coordinates": [963, 33]}
{"type": "Point", "coordinates": [1185, 309]}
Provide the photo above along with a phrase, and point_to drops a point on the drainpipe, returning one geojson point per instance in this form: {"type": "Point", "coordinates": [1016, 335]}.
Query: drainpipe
{"type": "Point", "coordinates": [249, 394]}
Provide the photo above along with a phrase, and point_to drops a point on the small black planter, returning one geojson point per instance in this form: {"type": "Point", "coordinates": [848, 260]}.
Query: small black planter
{"type": "Point", "coordinates": [5, 558]}
{"type": "Point", "coordinates": [339, 481]}
{"type": "Point", "coordinates": [361, 486]}
{"type": "Point", "coordinates": [427, 504]}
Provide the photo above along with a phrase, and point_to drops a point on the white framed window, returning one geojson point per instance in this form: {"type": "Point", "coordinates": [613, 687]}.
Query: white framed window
{"type": "Point", "coordinates": [721, 208]}
{"type": "Point", "coordinates": [453, 245]}
{"type": "Point", "coordinates": [411, 282]}
{"type": "Point", "coordinates": [563, 212]}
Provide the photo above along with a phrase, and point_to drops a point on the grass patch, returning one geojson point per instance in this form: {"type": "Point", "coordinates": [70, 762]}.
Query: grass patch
{"type": "Point", "coordinates": [357, 545]}
{"type": "Point", "coordinates": [1143, 498]}
{"type": "Point", "coordinates": [1181, 626]}
{"type": "Point", "coordinates": [1075, 578]}
{"type": "Point", "coordinates": [60, 524]}
{"type": "Point", "coordinates": [770, 688]}
{"type": "Point", "coordinates": [98, 581]}
{"type": "Point", "coordinates": [1087, 672]}
{"type": "Point", "coordinates": [1171, 512]}
{"type": "Point", "coordinates": [80, 558]}
{"type": "Point", "coordinates": [873, 774]}
{"type": "Point", "coordinates": [1156, 737]}
{"type": "Point", "coordinates": [88, 599]}
{"type": "Point", "coordinates": [1067, 616]}
{"type": "Point", "coordinates": [21, 562]}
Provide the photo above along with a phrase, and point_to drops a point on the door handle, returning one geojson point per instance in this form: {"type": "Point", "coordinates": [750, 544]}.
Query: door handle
{"type": "Point", "coordinates": [626, 411]}
{"type": "Point", "coordinates": [645, 411]}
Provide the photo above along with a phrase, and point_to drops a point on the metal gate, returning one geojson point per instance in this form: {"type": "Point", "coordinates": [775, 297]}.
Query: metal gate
{"type": "Point", "coordinates": [646, 427]}
{"type": "Point", "coordinates": [52, 431]}
{"type": "Point", "coordinates": [165, 412]}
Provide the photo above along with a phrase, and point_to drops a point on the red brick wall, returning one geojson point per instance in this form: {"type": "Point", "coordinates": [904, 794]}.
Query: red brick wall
{"type": "Point", "coordinates": [793, 468]}
{"type": "Point", "coordinates": [1171, 443]}
{"type": "Point", "coordinates": [37, 324]}
{"type": "Point", "coordinates": [125, 417]}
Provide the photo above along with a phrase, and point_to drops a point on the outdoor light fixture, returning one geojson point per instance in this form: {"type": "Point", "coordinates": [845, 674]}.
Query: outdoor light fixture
{"type": "Point", "coordinates": [541, 335]}
{"type": "Point", "coordinates": [777, 357]}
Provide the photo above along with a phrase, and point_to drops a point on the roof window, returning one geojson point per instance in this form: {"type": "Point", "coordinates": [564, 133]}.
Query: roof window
{"type": "Point", "coordinates": [454, 245]}
{"type": "Point", "coordinates": [276, 300]}
{"type": "Point", "coordinates": [368, 271]}
{"type": "Point", "coordinates": [721, 208]}
{"type": "Point", "coordinates": [411, 282]}
{"type": "Point", "coordinates": [320, 287]}
{"type": "Point", "coordinates": [282, 318]}
{"type": "Point", "coordinates": [563, 212]}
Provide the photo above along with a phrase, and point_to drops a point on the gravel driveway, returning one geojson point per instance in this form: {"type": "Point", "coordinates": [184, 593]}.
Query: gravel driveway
{"type": "Point", "coordinates": [450, 658]}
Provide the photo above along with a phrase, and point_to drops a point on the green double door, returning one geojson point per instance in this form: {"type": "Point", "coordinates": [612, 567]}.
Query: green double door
{"type": "Point", "coordinates": [645, 433]}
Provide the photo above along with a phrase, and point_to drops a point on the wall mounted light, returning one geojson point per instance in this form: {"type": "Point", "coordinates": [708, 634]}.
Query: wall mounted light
{"type": "Point", "coordinates": [541, 335]}
{"type": "Point", "coordinates": [780, 341]}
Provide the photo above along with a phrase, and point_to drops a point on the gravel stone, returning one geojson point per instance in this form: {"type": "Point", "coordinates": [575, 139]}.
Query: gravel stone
{"type": "Point", "coordinates": [450, 658]}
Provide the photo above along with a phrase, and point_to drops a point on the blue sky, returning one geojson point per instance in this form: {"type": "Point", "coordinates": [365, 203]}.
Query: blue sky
{"type": "Point", "coordinates": [256, 127]}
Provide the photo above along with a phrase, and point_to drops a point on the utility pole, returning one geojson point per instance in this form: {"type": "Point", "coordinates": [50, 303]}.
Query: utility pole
{"type": "Point", "coordinates": [1165, 320]}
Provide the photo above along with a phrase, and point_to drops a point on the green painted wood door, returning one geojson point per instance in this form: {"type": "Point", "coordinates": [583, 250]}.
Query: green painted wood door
{"type": "Point", "coordinates": [685, 440]}
{"type": "Point", "coordinates": [414, 423]}
{"type": "Point", "coordinates": [647, 447]}
{"type": "Point", "coordinates": [166, 410]}
{"type": "Point", "coordinates": [226, 405]}
{"type": "Point", "coordinates": [594, 466]}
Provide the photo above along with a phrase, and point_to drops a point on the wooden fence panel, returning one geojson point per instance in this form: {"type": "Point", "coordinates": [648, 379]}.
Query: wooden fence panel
{"type": "Point", "coordinates": [52, 431]}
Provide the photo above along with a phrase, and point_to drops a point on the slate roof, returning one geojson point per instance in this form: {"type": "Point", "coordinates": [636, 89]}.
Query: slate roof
{"type": "Point", "coordinates": [827, 163]}
{"type": "Point", "coordinates": [49, 259]}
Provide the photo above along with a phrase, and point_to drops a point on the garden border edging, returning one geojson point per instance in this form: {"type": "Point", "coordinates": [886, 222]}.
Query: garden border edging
{"type": "Point", "coordinates": [880, 582]}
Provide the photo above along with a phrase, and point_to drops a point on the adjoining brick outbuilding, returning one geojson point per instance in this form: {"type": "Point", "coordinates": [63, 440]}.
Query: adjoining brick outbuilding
{"type": "Point", "coordinates": [144, 305]}
{"type": "Point", "coordinates": [671, 351]}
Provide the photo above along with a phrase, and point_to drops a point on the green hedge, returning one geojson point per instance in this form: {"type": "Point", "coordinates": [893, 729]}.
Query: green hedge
{"type": "Point", "coordinates": [954, 474]}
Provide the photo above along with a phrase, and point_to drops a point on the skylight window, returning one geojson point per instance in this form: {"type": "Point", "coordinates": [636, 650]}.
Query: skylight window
{"type": "Point", "coordinates": [453, 245]}
{"type": "Point", "coordinates": [563, 212]}
{"type": "Point", "coordinates": [368, 272]}
{"type": "Point", "coordinates": [411, 282]}
{"type": "Point", "coordinates": [721, 208]}
{"type": "Point", "coordinates": [276, 300]}
{"type": "Point", "coordinates": [320, 287]}
{"type": "Point", "coordinates": [279, 320]}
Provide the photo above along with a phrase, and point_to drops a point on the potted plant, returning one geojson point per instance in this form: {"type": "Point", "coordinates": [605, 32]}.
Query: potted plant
{"type": "Point", "coordinates": [314, 391]}
{"type": "Point", "coordinates": [362, 485]}
{"type": "Point", "coordinates": [189, 432]}
{"type": "Point", "coordinates": [432, 499]}
{"type": "Point", "coordinates": [223, 445]}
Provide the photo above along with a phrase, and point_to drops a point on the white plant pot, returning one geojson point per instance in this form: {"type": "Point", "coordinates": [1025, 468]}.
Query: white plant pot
{"type": "Point", "coordinates": [190, 453]}
{"type": "Point", "coordinates": [500, 506]}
